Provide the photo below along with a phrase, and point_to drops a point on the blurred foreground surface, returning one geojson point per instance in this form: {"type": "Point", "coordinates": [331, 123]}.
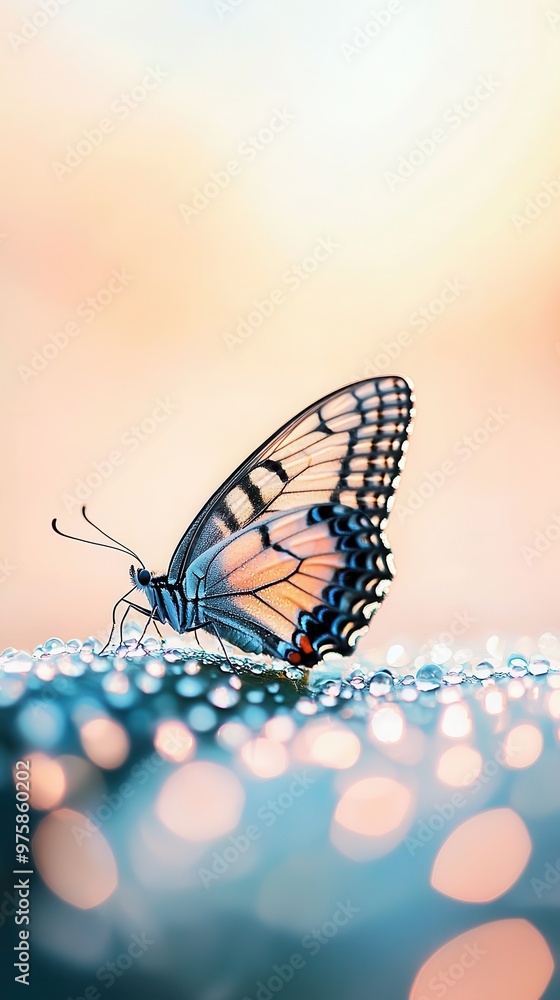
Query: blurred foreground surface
{"type": "Point", "coordinates": [376, 830]}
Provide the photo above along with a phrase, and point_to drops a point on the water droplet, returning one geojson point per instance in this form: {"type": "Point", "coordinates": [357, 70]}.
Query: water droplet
{"type": "Point", "coordinates": [93, 644]}
{"type": "Point", "coordinates": [173, 655]}
{"type": "Point", "coordinates": [408, 680]}
{"type": "Point", "coordinates": [331, 688]}
{"type": "Point", "coordinates": [152, 644]}
{"type": "Point", "coordinates": [293, 673]}
{"type": "Point", "coordinates": [454, 677]}
{"type": "Point", "coordinates": [429, 677]}
{"type": "Point", "coordinates": [483, 670]}
{"type": "Point", "coordinates": [357, 679]}
{"type": "Point", "coordinates": [538, 666]}
{"type": "Point", "coordinates": [21, 663]}
{"type": "Point", "coordinates": [517, 665]}
{"type": "Point", "coordinates": [74, 645]}
{"type": "Point", "coordinates": [381, 683]}
{"type": "Point", "coordinates": [53, 645]}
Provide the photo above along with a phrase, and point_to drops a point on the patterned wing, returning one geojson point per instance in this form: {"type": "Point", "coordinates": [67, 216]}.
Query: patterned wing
{"type": "Point", "coordinates": [348, 448]}
{"type": "Point", "coordinates": [296, 585]}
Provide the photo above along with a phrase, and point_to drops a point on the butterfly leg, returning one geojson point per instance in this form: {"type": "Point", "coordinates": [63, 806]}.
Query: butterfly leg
{"type": "Point", "coordinates": [121, 637]}
{"type": "Point", "coordinates": [146, 626]}
{"type": "Point", "coordinates": [152, 615]}
{"type": "Point", "coordinates": [214, 628]}
{"type": "Point", "coordinates": [114, 620]}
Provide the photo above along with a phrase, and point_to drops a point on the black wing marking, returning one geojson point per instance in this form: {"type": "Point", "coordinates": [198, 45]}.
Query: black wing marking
{"type": "Point", "coordinates": [305, 587]}
{"type": "Point", "coordinates": [348, 447]}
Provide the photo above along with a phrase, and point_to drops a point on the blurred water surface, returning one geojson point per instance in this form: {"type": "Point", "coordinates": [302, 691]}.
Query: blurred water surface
{"type": "Point", "coordinates": [384, 830]}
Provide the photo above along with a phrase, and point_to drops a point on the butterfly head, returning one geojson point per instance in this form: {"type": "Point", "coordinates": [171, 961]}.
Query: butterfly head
{"type": "Point", "coordinates": [141, 578]}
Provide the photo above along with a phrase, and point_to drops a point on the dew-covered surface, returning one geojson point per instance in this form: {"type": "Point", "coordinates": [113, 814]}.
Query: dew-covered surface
{"type": "Point", "coordinates": [393, 822]}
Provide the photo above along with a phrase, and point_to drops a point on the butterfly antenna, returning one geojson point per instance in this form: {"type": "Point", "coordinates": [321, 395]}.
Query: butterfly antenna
{"type": "Point", "coordinates": [124, 548]}
{"type": "Point", "coordinates": [87, 541]}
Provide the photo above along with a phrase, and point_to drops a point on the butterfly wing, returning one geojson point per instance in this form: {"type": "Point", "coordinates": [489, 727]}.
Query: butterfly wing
{"type": "Point", "coordinates": [296, 585]}
{"type": "Point", "coordinates": [347, 448]}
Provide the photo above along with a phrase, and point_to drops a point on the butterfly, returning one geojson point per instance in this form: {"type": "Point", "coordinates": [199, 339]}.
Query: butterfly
{"type": "Point", "coordinates": [289, 556]}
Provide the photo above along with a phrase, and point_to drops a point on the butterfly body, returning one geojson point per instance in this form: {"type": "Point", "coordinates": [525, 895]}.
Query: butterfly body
{"type": "Point", "coordinates": [289, 557]}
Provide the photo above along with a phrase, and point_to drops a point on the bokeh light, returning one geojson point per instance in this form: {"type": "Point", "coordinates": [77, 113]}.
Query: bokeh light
{"type": "Point", "coordinates": [523, 745]}
{"type": "Point", "coordinates": [387, 724]}
{"type": "Point", "coordinates": [201, 801]}
{"type": "Point", "coordinates": [337, 748]}
{"type": "Point", "coordinates": [482, 857]}
{"type": "Point", "coordinates": [503, 959]}
{"type": "Point", "coordinates": [74, 858]}
{"type": "Point", "coordinates": [174, 741]}
{"type": "Point", "coordinates": [459, 766]}
{"type": "Point", "coordinates": [48, 784]}
{"type": "Point", "coordinates": [456, 721]}
{"type": "Point", "coordinates": [265, 758]}
{"type": "Point", "coordinates": [105, 742]}
{"type": "Point", "coordinates": [373, 807]}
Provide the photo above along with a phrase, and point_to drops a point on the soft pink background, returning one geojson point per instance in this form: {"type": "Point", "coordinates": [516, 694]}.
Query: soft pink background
{"type": "Point", "coordinates": [323, 175]}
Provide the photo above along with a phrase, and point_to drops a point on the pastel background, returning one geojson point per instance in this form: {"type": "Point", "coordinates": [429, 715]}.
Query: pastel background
{"type": "Point", "coordinates": [475, 210]}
